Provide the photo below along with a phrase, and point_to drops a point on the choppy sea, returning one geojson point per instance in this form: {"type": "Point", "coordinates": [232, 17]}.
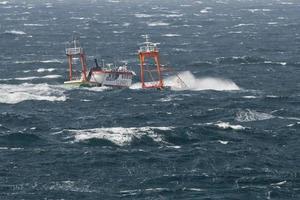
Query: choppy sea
{"type": "Point", "coordinates": [234, 133]}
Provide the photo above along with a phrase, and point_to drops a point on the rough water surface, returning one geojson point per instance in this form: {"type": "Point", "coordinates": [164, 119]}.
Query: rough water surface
{"type": "Point", "coordinates": [231, 133]}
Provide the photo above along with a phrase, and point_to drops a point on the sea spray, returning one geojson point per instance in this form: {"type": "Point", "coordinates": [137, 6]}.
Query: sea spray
{"type": "Point", "coordinates": [190, 82]}
{"type": "Point", "coordinates": [187, 81]}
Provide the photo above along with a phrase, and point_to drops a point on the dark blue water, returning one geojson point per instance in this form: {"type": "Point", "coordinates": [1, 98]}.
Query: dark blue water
{"type": "Point", "coordinates": [233, 134]}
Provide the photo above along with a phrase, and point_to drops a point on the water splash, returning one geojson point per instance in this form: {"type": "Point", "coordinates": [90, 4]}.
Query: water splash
{"type": "Point", "coordinates": [197, 84]}
{"type": "Point", "coordinates": [187, 81]}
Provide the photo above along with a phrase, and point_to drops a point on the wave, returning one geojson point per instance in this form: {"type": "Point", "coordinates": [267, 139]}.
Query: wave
{"type": "Point", "coordinates": [3, 2]}
{"type": "Point", "coordinates": [190, 82]}
{"type": "Point", "coordinates": [35, 24]}
{"type": "Point", "coordinates": [52, 76]}
{"type": "Point", "coordinates": [171, 15]}
{"type": "Point", "coordinates": [240, 60]}
{"type": "Point", "coordinates": [171, 35]}
{"type": "Point", "coordinates": [52, 61]}
{"type": "Point", "coordinates": [119, 135]}
{"type": "Point", "coordinates": [197, 84]}
{"type": "Point", "coordinates": [252, 115]}
{"type": "Point", "coordinates": [45, 70]}
{"type": "Point", "coordinates": [205, 10]}
{"type": "Point", "coordinates": [159, 23]}
{"type": "Point", "coordinates": [13, 94]}
{"type": "Point", "coordinates": [14, 32]}
{"type": "Point", "coordinates": [227, 125]}
{"type": "Point", "coordinates": [141, 15]}
{"type": "Point", "coordinates": [240, 25]}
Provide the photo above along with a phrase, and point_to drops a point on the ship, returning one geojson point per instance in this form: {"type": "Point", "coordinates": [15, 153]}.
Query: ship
{"type": "Point", "coordinates": [105, 75]}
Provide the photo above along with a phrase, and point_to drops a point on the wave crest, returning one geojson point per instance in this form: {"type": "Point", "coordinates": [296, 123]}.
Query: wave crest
{"type": "Point", "coordinates": [12, 94]}
{"type": "Point", "coordinates": [252, 115]}
{"type": "Point", "coordinates": [196, 84]}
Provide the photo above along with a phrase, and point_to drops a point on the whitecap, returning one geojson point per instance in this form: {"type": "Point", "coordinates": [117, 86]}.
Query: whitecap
{"type": "Point", "coordinates": [194, 189]}
{"type": "Point", "coordinates": [35, 24]}
{"type": "Point", "coordinates": [166, 99]}
{"type": "Point", "coordinates": [279, 183]}
{"type": "Point", "coordinates": [26, 78]}
{"type": "Point", "coordinates": [249, 97]}
{"type": "Point", "coordinates": [286, 3]}
{"type": "Point", "coordinates": [70, 186]}
{"type": "Point", "coordinates": [205, 10]}
{"type": "Point", "coordinates": [15, 32]}
{"type": "Point", "coordinates": [113, 1]}
{"type": "Point", "coordinates": [141, 15]}
{"type": "Point", "coordinates": [235, 32]}
{"type": "Point", "coordinates": [12, 94]}
{"type": "Point", "coordinates": [171, 15]}
{"type": "Point", "coordinates": [126, 24]}
{"type": "Point", "coordinates": [223, 142]}
{"type": "Point", "coordinates": [119, 135]}
{"type": "Point", "coordinates": [171, 35]}
{"type": "Point", "coordinates": [259, 10]}
{"type": "Point", "coordinates": [188, 81]}
{"type": "Point", "coordinates": [45, 70]}
{"type": "Point", "coordinates": [158, 23]}
{"type": "Point", "coordinates": [185, 5]}
{"type": "Point", "coordinates": [52, 76]}
{"type": "Point", "coordinates": [240, 25]}
{"type": "Point", "coordinates": [3, 2]}
{"type": "Point", "coordinates": [118, 32]}
{"type": "Point", "coordinates": [227, 125]}
{"type": "Point", "coordinates": [252, 115]}
{"type": "Point", "coordinates": [51, 61]}
{"type": "Point", "coordinates": [174, 147]}
{"type": "Point", "coordinates": [272, 96]}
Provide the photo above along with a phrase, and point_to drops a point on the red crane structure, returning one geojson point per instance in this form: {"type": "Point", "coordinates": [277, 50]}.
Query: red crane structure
{"type": "Point", "coordinates": [76, 52]}
{"type": "Point", "coordinates": [150, 51]}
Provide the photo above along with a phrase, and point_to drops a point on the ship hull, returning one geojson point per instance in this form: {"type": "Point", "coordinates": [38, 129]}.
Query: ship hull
{"type": "Point", "coordinates": [111, 78]}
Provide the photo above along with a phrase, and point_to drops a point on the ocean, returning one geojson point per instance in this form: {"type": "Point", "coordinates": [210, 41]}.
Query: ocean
{"type": "Point", "coordinates": [233, 133]}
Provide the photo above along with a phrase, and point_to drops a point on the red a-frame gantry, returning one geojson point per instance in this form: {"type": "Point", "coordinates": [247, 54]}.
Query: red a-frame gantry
{"type": "Point", "coordinates": [75, 52]}
{"type": "Point", "coordinates": [150, 50]}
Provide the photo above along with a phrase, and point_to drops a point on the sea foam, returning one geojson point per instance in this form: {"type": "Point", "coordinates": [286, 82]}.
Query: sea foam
{"type": "Point", "coordinates": [252, 115]}
{"type": "Point", "coordinates": [187, 81]}
{"type": "Point", "coordinates": [12, 94]}
{"type": "Point", "coordinates": [190, 82]}
{"type": "Point", "coordinates": [119, 135]}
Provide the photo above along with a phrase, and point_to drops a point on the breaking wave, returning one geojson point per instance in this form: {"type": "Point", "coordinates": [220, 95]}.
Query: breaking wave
{"type": "Point", "coordinates": [226, 125]}
{"type": "Point", "coordinates": [119, 135]}
{"type": "Point", "coordinates": [252, 115]}
{"type": "Point", "coordinates": [14, 32]}
{"type": "Point", "coordinates": [159, 23]}
{"type": "Point", "coordinates": [13, 94]}
{"type": "Point", "coordinates": [45, 70]}
{"type": "Point", "coordinates": [190, 82]}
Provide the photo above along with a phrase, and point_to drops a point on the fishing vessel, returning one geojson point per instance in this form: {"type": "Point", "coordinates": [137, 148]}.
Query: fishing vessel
{"type": "Point", "coordinates": [106, 75]}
